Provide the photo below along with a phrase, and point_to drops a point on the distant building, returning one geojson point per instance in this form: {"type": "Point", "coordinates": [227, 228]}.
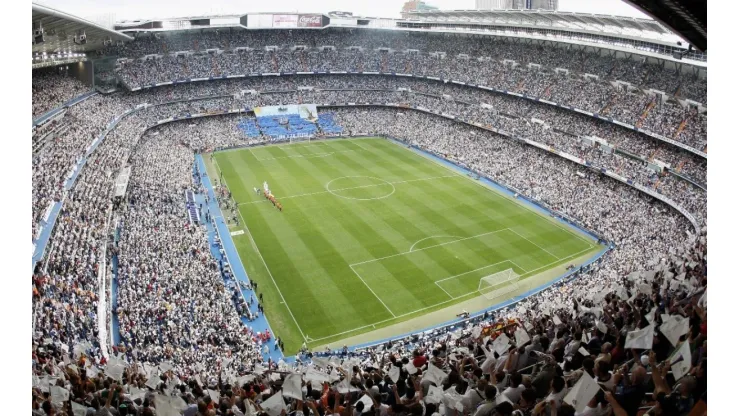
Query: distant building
{"type": "Point", "coordinates": [516, 4]}
{"type": "Point", "coordinates": [415, 6]}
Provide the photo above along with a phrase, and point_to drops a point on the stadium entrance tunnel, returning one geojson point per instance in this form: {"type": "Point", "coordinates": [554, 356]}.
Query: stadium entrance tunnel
{"type": "Point", "coordinates": [360, 188]}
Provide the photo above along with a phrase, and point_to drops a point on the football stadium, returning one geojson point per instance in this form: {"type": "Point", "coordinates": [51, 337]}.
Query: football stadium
{"type": "Point", "coordinates": [491, 211]}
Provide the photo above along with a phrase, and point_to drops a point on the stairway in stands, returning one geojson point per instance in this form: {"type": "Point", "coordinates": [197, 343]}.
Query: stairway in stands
{"type": "Point", "coordinates": [646, 112]}
{"type": "Point", "coordinates": [682, 126]}
{"type": "Point", "coordinates": [547, 93]}
{"type": "Point", "coordinates": [608, 106]}
{"type": "Point", "coordinates": [304, 65]}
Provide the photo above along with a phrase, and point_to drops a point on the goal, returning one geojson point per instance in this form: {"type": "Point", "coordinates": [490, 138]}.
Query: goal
{"type": "Point", "coordinates": [297, 139]}
{"type": "Point", "coordinates": [498, 284]}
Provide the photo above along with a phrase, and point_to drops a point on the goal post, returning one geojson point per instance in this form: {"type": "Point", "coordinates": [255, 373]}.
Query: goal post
{"type": "Point", "coordinates": [498, 284]}
{"type": "Point", "coordinates": [298, 139]}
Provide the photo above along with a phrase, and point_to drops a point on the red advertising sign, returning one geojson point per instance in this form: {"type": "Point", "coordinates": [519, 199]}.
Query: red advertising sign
{"type": "Point", "coordinates": [309, 20]}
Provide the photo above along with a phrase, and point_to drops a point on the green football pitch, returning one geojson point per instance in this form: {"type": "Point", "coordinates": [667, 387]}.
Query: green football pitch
{"type": "Point", "coordinates": [372, 234]}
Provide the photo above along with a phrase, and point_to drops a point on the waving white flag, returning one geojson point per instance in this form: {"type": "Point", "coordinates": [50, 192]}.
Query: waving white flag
{"type": "Point", "coordinates": [521, 337]}
{"type": "Point", "coordinates": [582, 393]}
{"type": "Point", "coordinates": [434, 374]}
{"type": "Point", "coordinates": [275, 404]}
{"type": "Point", "coordinates": [292, 386]}
{"type": "Point", "coordinates": [642, 339]}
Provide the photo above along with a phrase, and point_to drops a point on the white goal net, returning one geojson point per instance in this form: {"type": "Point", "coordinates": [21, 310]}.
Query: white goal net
{"type": "Point", "coordinates": [498, 284]}
{"type": "Point", "coordinates": [300, 139]}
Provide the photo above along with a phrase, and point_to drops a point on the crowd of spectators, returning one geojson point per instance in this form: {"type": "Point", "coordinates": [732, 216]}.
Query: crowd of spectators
{"type": "Point", "coordinates": [526, 359]}
{"type": "Point", "coordinates": [50, 90]}
{"type": "Point", "coordinates": [559, 128]}
{"type": "Point", "coordinates": [558, 76]}
{"type": "Point", "coordinates": [184, 349]}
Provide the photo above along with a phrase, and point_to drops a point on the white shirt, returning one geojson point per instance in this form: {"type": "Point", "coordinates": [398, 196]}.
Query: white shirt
{"type": "Point", "coordinates": [595, 411]}
{"type": "Point", "coordinates": [472, 398]}
{"type": "Point", "coordinates": [514, 393]}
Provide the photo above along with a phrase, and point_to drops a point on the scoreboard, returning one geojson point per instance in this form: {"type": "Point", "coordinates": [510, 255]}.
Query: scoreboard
{"type": "Point", "coordinates": [284, 21]}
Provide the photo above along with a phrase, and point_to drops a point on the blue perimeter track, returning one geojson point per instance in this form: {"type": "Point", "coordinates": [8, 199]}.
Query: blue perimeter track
{"type": "Point", "coordinates": [231, 256]}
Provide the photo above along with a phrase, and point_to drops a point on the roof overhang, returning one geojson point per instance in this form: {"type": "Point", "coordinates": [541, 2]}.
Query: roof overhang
{"type": "Point", "coordinates": [61, 29]}
{"type": "Point", "coordinates": [619, 26]}
{"type": "Point", "coordinates": [687, 18]}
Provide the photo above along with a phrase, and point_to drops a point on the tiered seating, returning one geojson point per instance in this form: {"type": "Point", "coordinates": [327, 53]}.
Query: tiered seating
{"type": "Point", "coordinates": [249, 128]}
{"type": "Point", "coordinates": [327, 125]}
{"type": "Point", "coordinates": [292, 125]}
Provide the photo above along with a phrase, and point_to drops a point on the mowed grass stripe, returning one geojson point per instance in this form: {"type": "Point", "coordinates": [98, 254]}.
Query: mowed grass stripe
{"type": "Point", "coordinates": [409, 285]}
{"type": "Point", "coordinates": [327, 230]}
{"type": "Point", "coordinates": [310, 245]}
{"type": "Point", "coordinates": [306, 242]}
{"type": "Point", "coordinates": [466, 258]}
{"type": "Point", "coordinates": [540, 230]}
{"type": "Point", "coordinates": [421, 289]}
{"type": "Point", "coordinates": [278, 313]}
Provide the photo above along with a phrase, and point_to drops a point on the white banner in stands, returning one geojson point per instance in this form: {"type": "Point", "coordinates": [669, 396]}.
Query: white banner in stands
{"type": "Point", "coordinates": [306, 111]}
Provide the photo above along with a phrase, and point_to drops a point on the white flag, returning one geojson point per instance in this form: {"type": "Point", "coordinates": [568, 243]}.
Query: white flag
{"type": "Point", "coordinates": [601, 327]}
{"type": "Point", "coordinates": [275, 404]}
{"type": "Point", "coordinates": [320, 362]}
{"type": "Point", "coordinates": [477, 331]}
{"type": "Point", "coordinates": [411, 368]}
{"type": "Point", "coordinates": [582, 393]}
{"type": "Point", "coordinates": [452, 399]}
{"type": "Point", "coordinates": [674, 328]}
{"type": "Point", "coordinates": [214, 395]}
{"type": "Point", "coordinates": [642, 339]}
{"type": "Point", "coordinates": [435, 375]}
{"type": "Point", "coordinates": [501, 344]}
{"type": "Point", "coordinates": [241, 381]}
{"type": "Point", "coordinates": [78, 409]}
{"type": "Point", "coordinates": [292, 386]}
{"type": "Point", "coordinates": [367, 401]}
{"type": "Point", "coordinates": [316, 376]}
{"type": "Point", "coordinates": [346, 387]}
{"type": "Point", "coordinates": [651, 316]}
{"type": "Point", "coordinates": [395, 373]}
{"type": "Point", "coordinates": [114, 371]}
{"type": "Point", "coordinates": [681, 361]}
{"type": "Point", "coordinates": [646, 289]}
{"type": "Point", "coordinates": [521, 337]}
{"type": "Point", "coordinates": [434, 395]}
{"type": "Point", "coordinates": [164, 407]}
{"type": "Point", "coordinates": [153, 382]}
{"type": "Point", "coordinates": [59, 395]}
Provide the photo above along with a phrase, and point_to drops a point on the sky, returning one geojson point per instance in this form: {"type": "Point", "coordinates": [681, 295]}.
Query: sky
{"type": "Point", "coordinates": [116, 10]}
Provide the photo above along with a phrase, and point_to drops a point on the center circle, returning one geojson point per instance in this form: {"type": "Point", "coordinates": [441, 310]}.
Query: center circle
{"type": "Point", "coordinates": [360, 188]}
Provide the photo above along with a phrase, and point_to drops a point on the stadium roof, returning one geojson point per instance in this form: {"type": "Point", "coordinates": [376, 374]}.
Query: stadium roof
{"type": "Point", "coordinates": [61, 28]}
{"type": "Point", "coordinates": [647, 29]}
{"type": "Point", "coordinates": [688, 18]}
